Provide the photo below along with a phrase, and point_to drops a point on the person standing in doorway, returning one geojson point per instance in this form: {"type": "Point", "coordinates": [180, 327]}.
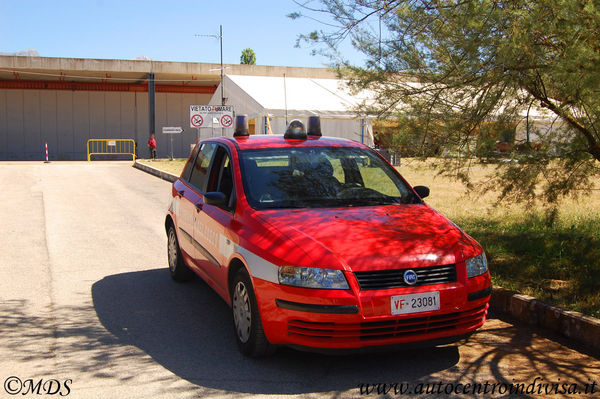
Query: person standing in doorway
{"type": "Point", "coordinates": [152, 146]}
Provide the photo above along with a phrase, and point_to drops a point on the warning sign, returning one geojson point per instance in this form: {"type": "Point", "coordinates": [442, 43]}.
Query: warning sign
{"type": "Point", "coordinates": [226, 120]}
{"type": "Point", "coordinates": [202, 115]}
{"type": "Point", "coordinates": [210, 109]}
{"type": "Point", "coordinates": [196, 121]}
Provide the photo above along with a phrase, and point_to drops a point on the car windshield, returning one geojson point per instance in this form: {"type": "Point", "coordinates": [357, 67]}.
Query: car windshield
{"type": "Point", "coordinates": [317, 177]}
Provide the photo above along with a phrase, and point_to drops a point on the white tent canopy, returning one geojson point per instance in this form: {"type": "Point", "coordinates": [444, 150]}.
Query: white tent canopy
{"type": "Point", "coordinates": [262, 97]}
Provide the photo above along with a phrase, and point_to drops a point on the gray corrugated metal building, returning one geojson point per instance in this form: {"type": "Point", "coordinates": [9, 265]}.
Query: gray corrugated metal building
{"type": "Point", "coordinates": [66, 101]}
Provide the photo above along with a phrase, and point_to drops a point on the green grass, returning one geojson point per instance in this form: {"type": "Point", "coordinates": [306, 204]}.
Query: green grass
{"type": "Point", "coordinates": [553, 255]}
{"type": "Point", "coordinates": [553, 258]}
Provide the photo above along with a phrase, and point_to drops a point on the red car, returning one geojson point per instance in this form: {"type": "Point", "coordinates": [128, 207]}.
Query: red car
{"type": "Point", "coordinates": [318, 243]}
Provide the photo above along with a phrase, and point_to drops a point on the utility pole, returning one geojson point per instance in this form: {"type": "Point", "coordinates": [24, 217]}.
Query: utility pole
{"type": "Point", "coordinates": [220, 37]}
{"type": "Point", "coordinates": [221, 43]}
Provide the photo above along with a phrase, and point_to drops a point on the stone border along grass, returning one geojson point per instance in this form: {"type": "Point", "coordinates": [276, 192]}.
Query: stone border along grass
{"type": "Point", "coordinates": [523, 308]}
{"type": "Point", "coordinates": [156, 172]}
{"type": "Point", "coordinates": [526, 309]}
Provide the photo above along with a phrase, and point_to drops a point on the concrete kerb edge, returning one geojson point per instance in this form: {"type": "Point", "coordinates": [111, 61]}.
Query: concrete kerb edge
{"type": "Point", "coordinates": [523, 308]}
{"type": "Point", "coordinates": [170, 177]}
{"type": "Point", "coordinates": [526, 309]}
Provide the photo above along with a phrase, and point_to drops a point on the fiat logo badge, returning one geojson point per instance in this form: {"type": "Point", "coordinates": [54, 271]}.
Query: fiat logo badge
{"type": "Point", "coordinates": [410, 277]}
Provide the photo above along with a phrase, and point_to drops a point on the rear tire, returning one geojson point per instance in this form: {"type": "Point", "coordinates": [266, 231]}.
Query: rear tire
{"type": "Point", "coordinates": [177, 267]}
{"type": "Point", "coordinates": [247, 324]}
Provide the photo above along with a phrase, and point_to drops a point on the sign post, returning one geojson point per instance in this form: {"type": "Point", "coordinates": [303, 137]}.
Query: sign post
{"type": "Point", "coordinates": [171, 131]}
{"type": "Point", "coordinates": [211, 116]}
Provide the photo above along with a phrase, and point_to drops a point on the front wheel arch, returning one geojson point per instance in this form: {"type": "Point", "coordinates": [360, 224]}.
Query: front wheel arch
{"type": "Point", "coordinates": [235, 265]}
{"type": "Point", "coordinates": [255, 342]}
{"type": "Point", "coordinates": [169, 222]}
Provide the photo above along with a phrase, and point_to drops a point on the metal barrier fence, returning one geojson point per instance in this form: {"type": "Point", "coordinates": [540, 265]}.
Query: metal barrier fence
{"type": "Point", "coordinates": [110, 147]}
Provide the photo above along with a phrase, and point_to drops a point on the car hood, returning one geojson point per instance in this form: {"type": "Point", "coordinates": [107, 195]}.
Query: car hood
{"type": "Point", "coordinates": [374, 238]}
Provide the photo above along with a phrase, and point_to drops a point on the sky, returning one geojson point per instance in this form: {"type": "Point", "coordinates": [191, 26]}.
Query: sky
{"type": "Point", "coordinates": [160, 30]}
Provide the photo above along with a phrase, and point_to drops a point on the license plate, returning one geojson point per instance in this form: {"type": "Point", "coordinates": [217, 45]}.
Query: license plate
{"type": "Point", "coordinates": [415, 303]}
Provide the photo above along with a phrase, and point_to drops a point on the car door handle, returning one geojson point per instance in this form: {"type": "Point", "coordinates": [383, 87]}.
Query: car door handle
{"type": "Point", "coordinates": [198, 207]}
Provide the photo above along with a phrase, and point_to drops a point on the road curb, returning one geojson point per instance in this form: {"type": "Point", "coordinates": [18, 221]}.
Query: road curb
{"type": "Point", "coordinates": [526, 309]}
{"type": "Point", "coordinates": [170, 177]}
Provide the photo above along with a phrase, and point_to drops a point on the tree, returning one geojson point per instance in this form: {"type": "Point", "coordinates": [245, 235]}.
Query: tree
{"type": "Point", "coordinates": [451, 72]}
{"type": "Point", "coordinates": [248, 57]}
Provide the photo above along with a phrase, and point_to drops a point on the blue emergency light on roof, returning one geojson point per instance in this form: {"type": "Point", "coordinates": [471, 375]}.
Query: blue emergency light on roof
{"type": "Point", "coordinates": [295, 130]}
{"type": "Point", "coordinates": [314, 126]}
{"type": "Point", "coordinates": [241, 126]}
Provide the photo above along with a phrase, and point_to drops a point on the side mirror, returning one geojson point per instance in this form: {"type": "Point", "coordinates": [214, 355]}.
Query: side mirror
{"type": "Point", "coordinates": [422, 191]}
{"type": "Point", "coordinates": [215, 198]}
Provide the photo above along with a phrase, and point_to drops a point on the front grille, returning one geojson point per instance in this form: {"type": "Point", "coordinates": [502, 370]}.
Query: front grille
{"type": "Point", "coordinates": [383, 279]}
{"type": "Point", "coordinates": [395, 328]}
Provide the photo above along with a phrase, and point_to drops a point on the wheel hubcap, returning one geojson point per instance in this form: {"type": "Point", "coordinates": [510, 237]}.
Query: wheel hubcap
{"type": "Point", "coordinates": [242, 314]}
{"type": "Point", "coordinates": [172, 247]}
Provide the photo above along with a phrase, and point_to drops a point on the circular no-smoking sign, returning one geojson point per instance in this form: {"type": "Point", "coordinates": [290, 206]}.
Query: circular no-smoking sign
{"type": "Point", "coordinates": [226, 121]}
{"type": "Point", "coordinates": [197, 120]}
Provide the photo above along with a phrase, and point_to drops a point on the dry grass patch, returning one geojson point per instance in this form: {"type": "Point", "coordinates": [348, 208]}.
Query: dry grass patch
{"type": "Point", "coordinates": [175, 166]}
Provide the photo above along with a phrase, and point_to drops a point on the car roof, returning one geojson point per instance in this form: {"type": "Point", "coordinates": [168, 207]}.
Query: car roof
{"type": "Point", "coordinates": [277, 141]}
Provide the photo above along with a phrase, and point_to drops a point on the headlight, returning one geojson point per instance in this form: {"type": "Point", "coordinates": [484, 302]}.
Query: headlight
{"type": "Point", "coordinates": [312, 277]}
{"type": "Point", "coordinates": [477, 266]}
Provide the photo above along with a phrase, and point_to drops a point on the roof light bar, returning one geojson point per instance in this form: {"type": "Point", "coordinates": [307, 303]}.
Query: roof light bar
{"type": "Point", "coordinates": [314, 126]}
{"type": "Point", "coordinates": [241, 126]}
{"type": "Point", "coordinates": [295, 130]}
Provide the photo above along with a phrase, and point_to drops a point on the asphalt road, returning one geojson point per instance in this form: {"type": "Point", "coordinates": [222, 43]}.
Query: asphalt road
{"type": "Point", "coordinates": [86, 300]}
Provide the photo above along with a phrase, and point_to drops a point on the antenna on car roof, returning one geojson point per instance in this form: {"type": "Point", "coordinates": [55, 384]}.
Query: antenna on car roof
{"type": "Point", "coordinates": [241, 126]}
{"type": "Point", "coordinates": [285, 99]}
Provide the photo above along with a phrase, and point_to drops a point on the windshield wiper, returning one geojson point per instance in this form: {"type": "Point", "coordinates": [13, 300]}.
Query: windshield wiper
{"type": "Point", "coordinates": [371, 201]}
{"type": "Point", "coordinates": [285, 205]}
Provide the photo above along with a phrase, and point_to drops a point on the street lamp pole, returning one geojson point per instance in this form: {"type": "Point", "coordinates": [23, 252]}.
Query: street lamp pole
{"type": "Point", "coordinates": [220, 37]}
{"type": "Point", "coordinates": [221, 43]}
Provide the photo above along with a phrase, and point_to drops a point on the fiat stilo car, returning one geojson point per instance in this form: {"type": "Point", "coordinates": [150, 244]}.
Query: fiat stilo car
{"type": "Point", "coordinates": [318, 243]}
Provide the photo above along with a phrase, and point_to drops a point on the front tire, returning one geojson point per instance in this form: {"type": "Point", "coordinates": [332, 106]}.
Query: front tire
{"type": "Point", "coordinates": [247, 325]}
{"type": "Point", "coordinates": [177, 267]}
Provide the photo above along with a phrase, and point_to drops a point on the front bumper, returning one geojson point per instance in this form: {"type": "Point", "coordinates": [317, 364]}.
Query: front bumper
{"type": "Point", "coordinates": [351, 319]}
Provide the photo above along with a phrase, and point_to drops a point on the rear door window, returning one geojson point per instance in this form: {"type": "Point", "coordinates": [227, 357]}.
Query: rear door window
{"type": "Point", "coordinates": [199, 174]}
{"type": "Point", "coordinates": [185, 175]}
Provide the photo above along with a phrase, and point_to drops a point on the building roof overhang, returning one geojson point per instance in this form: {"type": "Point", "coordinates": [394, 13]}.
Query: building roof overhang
{"type": "Point", "coordinates": [136, 72]}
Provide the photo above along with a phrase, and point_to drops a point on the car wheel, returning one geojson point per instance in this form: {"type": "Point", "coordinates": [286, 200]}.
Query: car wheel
{"type": "Point", "coordinates": [177, 267]}
{"type": "Point", "coordinates": [248, 327]}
